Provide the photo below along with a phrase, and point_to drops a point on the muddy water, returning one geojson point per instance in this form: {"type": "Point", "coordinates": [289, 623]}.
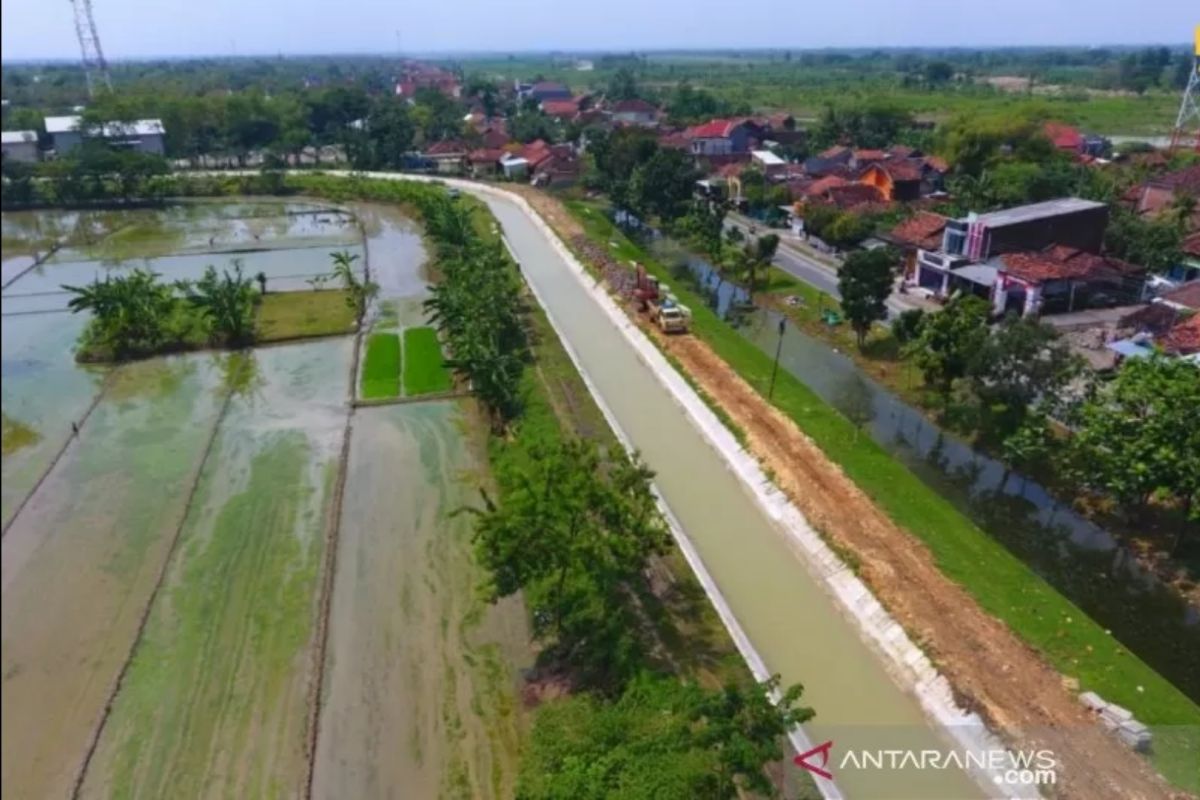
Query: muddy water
{"type": "Point", "coordinates": [80, 563]}
{"type": "Point", "coordinates": [792, 623]}
{"type": "Point", "coordinates": [43, 390]}
{"type": "Point", "coordinates": [420, 696]}
{"type": "Point", "coordinates": [215, 700]}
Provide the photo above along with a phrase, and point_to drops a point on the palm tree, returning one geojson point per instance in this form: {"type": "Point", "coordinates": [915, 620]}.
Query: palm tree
{"type": "Point", "coordinates": [359, 293]}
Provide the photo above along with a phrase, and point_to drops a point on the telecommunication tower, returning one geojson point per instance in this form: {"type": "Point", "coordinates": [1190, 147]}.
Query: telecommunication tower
{"type": "Point", "coordinates": [1187, 124]}
{"type": "Point", "coordinates": [95, 68]}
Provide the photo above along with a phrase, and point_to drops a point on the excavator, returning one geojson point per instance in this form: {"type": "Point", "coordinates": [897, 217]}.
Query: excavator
{"type": "Point", "coordinates": [664, 308]}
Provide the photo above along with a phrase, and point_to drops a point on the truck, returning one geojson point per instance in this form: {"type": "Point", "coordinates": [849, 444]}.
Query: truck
{"type": "Point", "coordinates": [663, 308]}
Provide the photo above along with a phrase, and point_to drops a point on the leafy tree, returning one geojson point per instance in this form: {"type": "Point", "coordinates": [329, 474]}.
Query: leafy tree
{"type": "Point", "coordinates": [1152, 243]}
{"type": "Point", "coordinates": [388, 135]}
{"type": "Point", "coordinates": [908, 325]}
{"type": "Point", "coordinates": [1137, 438]}
{"type": "Point", "coordinates": [617, 155]}
{"type": "Point", "coordinates": [131, 313]}
{"type": "Point", "coordinates": [938, 72]}
{"type": "Point", "coordinates": [529, 126]}
{"type": "Point", "coordinates": [948, 342]}
{"type": "Point", "coordinates": [688, 104]}
{"type": "Point", "coordinates": [660, 739]}
{"type": "Point", "coordinates": [622, 85]}
{"type": "Point", "coordinates": [757, 255]}
{"type": "Point", "coordinates": [1023, 363]}
{"type": "Point", "coordinates": [226, 302]}
{"type": "Point", "coordinates": [865, 282]}
{"type": "Point", "coordinates": [872, 124]}
{"type": "Point", "coordinates": [847, 229]}
{"type": "Point", "coordinates": [573, 530]}
{"type": "Point", "coordinates": [663, 184]}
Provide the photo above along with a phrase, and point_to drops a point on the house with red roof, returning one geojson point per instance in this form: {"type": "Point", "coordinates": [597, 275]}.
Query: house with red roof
{"type": "Point", "coordinates": [1064, 137]}
{"type": "Point", "coordinates": [484, 162]}
{"type": "Point", "coordinates": [1158, 194]}
{"type": "Point", "coordinates": [719, 137]}
{"type": "Point", "coordinates": [634, 112]}
{"type": "Point", "coordinates": [449, 157]}
{"type": "Point", "coordinates": [561, 109]}
{"type": "Point", "coordinates": [898, 181]}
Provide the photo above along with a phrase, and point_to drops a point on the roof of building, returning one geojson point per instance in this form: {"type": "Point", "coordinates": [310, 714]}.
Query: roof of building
{"type": "Point", "coordinates": [62, 124]}
{"type": "Point", "coordinates": [869, 155]}
{"type": "Point", "coordinates": [139, 127]}
{"type": "Point", "coordinates": [446, 147]}
{"type": "Point", "coordinates": [675, 139]}
{"type": "Point", "coordinates": [536, 152]}
{"type": "Point", "coordinates": [1049, 208]}
{"type": "Point", "coordinates": [899, 171]}
{"type": "Point", "coordinates": [1187, 295]}
{"type": "Point", "coordinates": [634, 105]}
{"type": "Point", "coordinates": [901, 151]}
{"type": "Point", "coordinates": [18, 137]}
{"type": "Point", "coordinates": [1191, 244]}
{"type": "Point", "coordinates": [1063, 135]}
{"type": "Point", "coordinates": [1060, 263]}
{"type": "Point", "coordinates": [485, 155]}
{"type": "Point", "coordinates": [1184, 338]}
{"type": "Point", "coordinates": [822, 185]}
{"type": "Point", "coordinates": [834, 152]}
{"type": "Point", "coordinates": [854, 194]}
{"type": "Point", "coordinates": [548, 86]}
{"type": "Point", "coordinates": [714, 129]}
{"type": "Point", "coordinates": [923, 229]}
{"type": "Point", "coordinates": [767, 158]}
{"type": "Point", "coordinates": [1183, 180]}
{"type": "Point", "coordinates": [560, 108]}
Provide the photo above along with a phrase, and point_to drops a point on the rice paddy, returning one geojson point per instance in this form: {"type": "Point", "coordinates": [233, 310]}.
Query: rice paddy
{"type": "Point", "coordinates": [175, 620]}
{"type": "Point", "coordinates": [381, 367]}
{"type": "Point", "coordinates": [424, 365]}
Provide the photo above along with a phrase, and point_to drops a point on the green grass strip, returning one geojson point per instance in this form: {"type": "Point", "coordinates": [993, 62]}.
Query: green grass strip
{"type": "Point", "coordinates": [381, 369]}
{"type": "Point", "coordinates": [424, 366]}
{"type": "Point", "coordinates": [1000, 582]}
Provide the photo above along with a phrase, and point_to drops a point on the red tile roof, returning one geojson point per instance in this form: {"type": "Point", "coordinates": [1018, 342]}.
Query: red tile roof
{"type": "Point", "coordinates": [869, 155]}
{"type": "Point", "coordinates": [634, 106]}
{"type": "Point", "coordinates": [677, 140]}
{"type": "Point", "coordinates": [1060, 262]}
{"type": "Point", "coordinates": [731, 170]}
{"type": "Point", "coordinates": [853, 195]}
{"type": "Point", "coordinates": [1187, 295]}
{"type": "Point", "coordinates": [714, 129]}
{"type": "Point", "coordinates": [1191, 245]}
{"type": "Point", "coordinates": [1184, 180]}
{"type": "Point", "coordinates": [833, 152]}
{"type": "Point", "coordinates": [899, 171]}
{"type": "Point", "coordinates": [1184, 338]}
{"type": "Point", "coordinates": [536, 152]}
{"type": "Point", "coordinates": [560, 108]}
{"type": "Point", "coordinates": [822, 185]}
{"type": "Point", "coordinates": [446, 147]}
{"type": "Point", "coordinates": [923, 229]}
{"type": "Point", "coordinates": [1063, 136]}
{"type": "Point", "coordinates": [485, 155]}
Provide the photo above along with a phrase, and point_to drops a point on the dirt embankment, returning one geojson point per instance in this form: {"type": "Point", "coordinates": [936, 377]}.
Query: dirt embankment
{"type": "Point", "coordinates": [992, 671]}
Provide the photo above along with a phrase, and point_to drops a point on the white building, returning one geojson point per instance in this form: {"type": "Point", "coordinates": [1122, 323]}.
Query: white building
{"type": "Point", "coordinates": [145, 135]}
{"type": "Point", "coordinates": [20, 146]}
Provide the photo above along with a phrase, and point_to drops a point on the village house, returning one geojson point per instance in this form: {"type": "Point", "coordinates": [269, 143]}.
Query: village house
{"type": "Point", "coordinates": [422, 76]}
{"type": "Point", "coordinates": [484, 162]}
{"type": "Point", "coordinates": [562, 110]}
{"type": "Point", "coordinates": [634, 112]}
{"type": "Point", "coordinates": [768, 163]}
{"type": "Point", "coordinates": [543, 91]}
{"type": "Point", "coordinates": [719, 137]}
{"type": "Point", "coordinates": [898, 181]}
{"type": "Point", "coordinates": [20, 146]}
{"type": "Point", "coordinates": [1035, 259]}
{"type": "Point", "coordinates": [447, 157]}
{"type": "Point", "coordinates": [1157, 195]}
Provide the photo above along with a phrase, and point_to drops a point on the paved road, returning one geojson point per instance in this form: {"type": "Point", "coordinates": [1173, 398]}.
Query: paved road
{"type": "Point", "coordinates": [823, 277]}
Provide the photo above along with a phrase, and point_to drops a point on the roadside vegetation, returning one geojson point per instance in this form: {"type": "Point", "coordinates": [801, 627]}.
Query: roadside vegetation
{"type": "Point", "coordinates": [381, 367]}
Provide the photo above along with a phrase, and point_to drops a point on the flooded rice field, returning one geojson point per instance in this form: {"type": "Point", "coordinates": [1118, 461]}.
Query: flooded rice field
{"type": "Point", "coordinates": [214, 702]}
{"type": "Point", "coordinates": [420, 696]}
{"type": "Point", "coordinates": [162, 575]}
{"type": "Point", "coordinates": [81, 561]}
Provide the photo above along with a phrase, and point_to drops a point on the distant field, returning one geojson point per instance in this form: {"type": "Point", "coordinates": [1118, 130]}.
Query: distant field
{"type": "Point", "coordinates": [424, 370]}
{"type": "Point", "coordinates": [381, 369]}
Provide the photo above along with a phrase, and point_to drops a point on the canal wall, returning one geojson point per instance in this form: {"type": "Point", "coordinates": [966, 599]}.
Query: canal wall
{"type": "Point", "coordinates": [903, 660]}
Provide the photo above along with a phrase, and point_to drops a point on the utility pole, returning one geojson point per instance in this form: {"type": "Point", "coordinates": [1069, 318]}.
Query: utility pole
{"type": "Point", "coordinates": [778, 351]}
{"type": "Point", "coordinates": [95, 68]}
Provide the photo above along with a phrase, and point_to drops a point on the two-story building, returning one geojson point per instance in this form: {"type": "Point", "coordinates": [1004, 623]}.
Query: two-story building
{"type": "Point", "coordinates": [1032, 259]}
{"type": "Point", "coordinates": [719, 137]}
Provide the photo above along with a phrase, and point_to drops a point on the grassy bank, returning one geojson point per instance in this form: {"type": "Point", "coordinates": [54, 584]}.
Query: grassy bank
{"type": "Point", "coordinates": [1003, 585]}
{"type": "Point", "coordinates": [381, 368]}
{"type": "Point", "coordinates": [301, 315]}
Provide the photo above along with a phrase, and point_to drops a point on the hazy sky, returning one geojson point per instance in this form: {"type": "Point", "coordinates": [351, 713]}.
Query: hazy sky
{"type": "Point", "coordinates": [135, 28]}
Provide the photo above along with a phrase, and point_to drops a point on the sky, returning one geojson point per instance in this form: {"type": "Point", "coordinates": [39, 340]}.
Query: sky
{"type": "Point", "coordinates": [33, 29]}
